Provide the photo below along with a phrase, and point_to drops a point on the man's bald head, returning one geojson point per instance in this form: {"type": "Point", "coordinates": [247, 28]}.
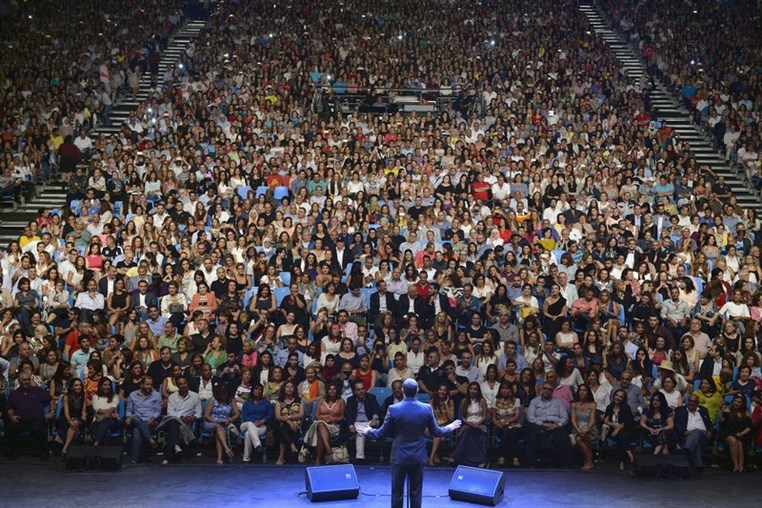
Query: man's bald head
{"type": "Point", "coordinates": [410, 388]}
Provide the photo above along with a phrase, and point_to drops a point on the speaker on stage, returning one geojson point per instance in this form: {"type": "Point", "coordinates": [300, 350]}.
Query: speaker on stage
{"type": "Point", "coordinates": [331, 483]}
{"type": "Point", "coordinates": [94, 457]}
{"type": "Point", "coordinates": [78, 457]}
{"type": "Point", "coordinates": [109, 457]}
{"type": "Point", "coordinates": [474, 485]}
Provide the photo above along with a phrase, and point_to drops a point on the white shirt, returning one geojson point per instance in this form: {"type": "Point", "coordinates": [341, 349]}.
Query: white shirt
{"type": "Point", "coordinates": [415, 361]}
{"type": "Point", "coordinates": [205, 392]}
{"type": "Point", "coordinates": [695, 422]}
{"type": "Point", "coordinates": [489, 394]}
{"type": "Point", "coordinates": [85, 301]}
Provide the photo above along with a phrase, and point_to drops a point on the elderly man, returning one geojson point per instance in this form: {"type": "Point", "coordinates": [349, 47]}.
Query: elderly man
{"type": "Point", "coordinates": [547, 419]}
{"type": "Point", "coordinates": [694, 429]}
{"type": "Point", "coordinates": [634, 394]}
{"type": "Point", "coordinates": [29, 410]}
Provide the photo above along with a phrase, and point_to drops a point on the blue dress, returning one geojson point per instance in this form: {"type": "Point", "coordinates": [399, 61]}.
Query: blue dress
{"type": "Point", "coordinates": [219, 413]}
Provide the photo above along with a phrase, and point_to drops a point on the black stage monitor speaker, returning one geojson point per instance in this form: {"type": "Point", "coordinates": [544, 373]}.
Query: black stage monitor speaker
{"type": "Point", "coordinates": [79, 456]}
{"type": "Point", "coordinates": [474, 485]}
{"type": "Point", "coordinates": [94, 457]}
{"type": "Point", "coordinates": [109, 457]}
{"type": "Point", "coordinates": [331, 483]}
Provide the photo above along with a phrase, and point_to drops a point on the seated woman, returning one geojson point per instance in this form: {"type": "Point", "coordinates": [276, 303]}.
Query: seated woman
{"type": "Point", "coordinates": [312, 388]}
{"type": "Point", "coordinates": [736, 430]}
{"type": "Point", "coordinates": [132, 379]}
{"type": "Point", "coordinates": [444, 412]}
{"type": "Point", "coordinates": [709, 397]}
{"type": "Point", "coordinates": [566, 337]}
{"type": "Point", "coordinates": [568, 374]}
{"type": "Point", "coordinates": [471, 448]}
{"type": "Point", "coordinates": [215, 354]}
{"type": "Point", "coordinates": [205, 301]}
{"type": "Point", "coordinates": [328, 418]}
{"type": "Point", "coordinates": [620, 420]}
{"type": "Point", "coordinates": [106, 417]}
{"type": "Point", "coordinates": [658, 423]}
{"type": "Point", "coordinates": [73, 414]}
{"type": "Point", "coordinates": [221, 411]}
{"type": "Point", "coordinates": [169, 385]}
{"type": "Point", "coordinates": [583, 415]}
{"type": "Point", "coordinates": [669, 389]}
{"type": "Point", "coordinates": [256, 413]}
{"type": "Point", "coordinates": [364, 373]}
{"type": "Point", "coordinates": [274, 384]}
{"type": "Point", "coordinates": [505, 418]}
{"type": "Point", "coordinates": [293, 370]}
{"type": "Point", "coordinates": [243, 391]}
{"type": "Point", "coordinates": [26, 366]}
{"type": "Point", "coordinates": [289, 411]}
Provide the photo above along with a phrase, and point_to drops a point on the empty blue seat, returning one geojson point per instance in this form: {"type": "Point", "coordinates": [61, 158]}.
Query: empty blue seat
{"type": "Point", "coordinates": [243, 191]}
{"type": "Point", "coordinates": [280, 192]}
{"type": "Point", "coordinates": [280, 294]}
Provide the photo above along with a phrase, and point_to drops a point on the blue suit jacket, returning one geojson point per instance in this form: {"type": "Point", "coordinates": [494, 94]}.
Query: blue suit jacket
{"type": "Point", "coordinates": [407, 422]}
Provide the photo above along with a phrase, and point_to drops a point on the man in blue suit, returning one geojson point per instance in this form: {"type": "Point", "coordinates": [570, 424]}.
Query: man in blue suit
{"type": "Point", "coordinates": [407, 421]}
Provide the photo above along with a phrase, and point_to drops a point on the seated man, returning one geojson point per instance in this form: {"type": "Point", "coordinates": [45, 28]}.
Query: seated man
{"type": "Point", "coordinates": [183, 409]}
{"type": "Point", "coordinates": [394, 398]}
{"type": "Point", "coordinates": [547, 419]}
{"type": "Point", "coordinates": [693, 429]}
{"type": "Point", "coordinates": [362, 411]}
{"type": "Point", "coordinates": [28, 411]}
{"type": "Point", "coordinates": [143, 414]}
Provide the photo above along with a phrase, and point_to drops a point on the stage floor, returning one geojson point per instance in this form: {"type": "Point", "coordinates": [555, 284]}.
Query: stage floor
{"type": "Point", "coordinates": [33, 483]}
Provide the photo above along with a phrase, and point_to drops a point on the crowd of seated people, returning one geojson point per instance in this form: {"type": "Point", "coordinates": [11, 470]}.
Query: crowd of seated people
{"type": "Point", "coordinates": [708, 52]}
{"type": "Point", "coordinates": [59, 80]}
{"type": "Point", "coordinates": [236, 268]}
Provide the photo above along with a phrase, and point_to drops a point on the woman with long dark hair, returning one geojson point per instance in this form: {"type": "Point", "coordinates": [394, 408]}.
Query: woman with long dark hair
{"type": "Point", "coordinates": [329, 416]}
{"type": "Point", "coordinates": [583, 415]}
{"type": "Point", "coordinates": [73, 414]}
{"type": "Point", "coordinates": [221, 411]}
{"type": "Point", "coordinates": [289, 411]}
{"type": "Point", "coordinates": [620, 420]}
{"type": "Point", "coordinates": [106, 417]}
{"type": "Point", "coordinates": [736, 430]}
{"type": "Point", "coordinates": [658, 424]}
{"type": "Point", "coordinates": [505, 418]}
{"type": "Point", "coordinates": [444, 412]}
{"type": "Point", "coordinates": [471, 448]}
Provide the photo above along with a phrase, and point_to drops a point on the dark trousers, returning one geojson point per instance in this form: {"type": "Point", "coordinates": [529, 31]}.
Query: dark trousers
{"type": "Point", "coordinates": [539, 438]}
{"type": "Point", "coordinates": [102, 430]}
{"type": "Point", "coordinates": [509, 442]}
{"type": "Point", "coordinates": [37, 428]}
{"type": "Point", "coordinates": [414, 473]}
{"type": "Point", "coordinates": [173, 437]}
{"type": "Point", "coordinates": [623, 443]}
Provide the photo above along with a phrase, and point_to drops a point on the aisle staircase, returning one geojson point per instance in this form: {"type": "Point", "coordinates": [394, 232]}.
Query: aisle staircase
{"type": "Point", "coordinates": [52, 195]}
{"type": "Point", "coordinates": [668, 108]}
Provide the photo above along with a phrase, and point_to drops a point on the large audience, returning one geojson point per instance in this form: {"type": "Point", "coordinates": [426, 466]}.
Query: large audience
{"type": "Point", "coordinates": [240, 267]}
{"type": "Point", "coordinates": [713, 65]}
